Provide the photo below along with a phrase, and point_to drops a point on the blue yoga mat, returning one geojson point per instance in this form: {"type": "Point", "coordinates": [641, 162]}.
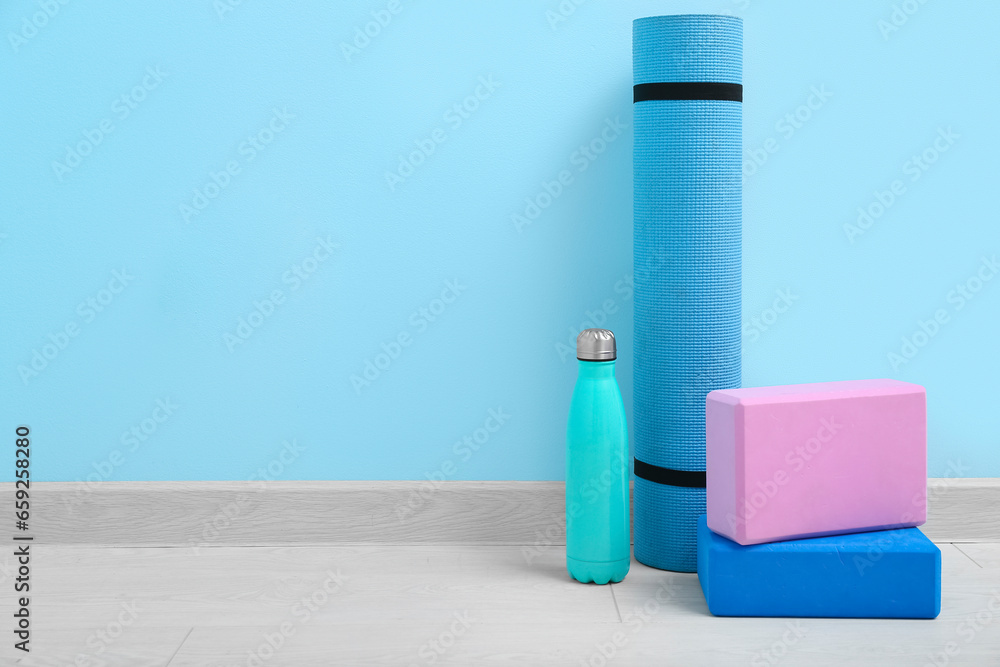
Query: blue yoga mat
{"type": "Point", "coordinates": [688, 120]}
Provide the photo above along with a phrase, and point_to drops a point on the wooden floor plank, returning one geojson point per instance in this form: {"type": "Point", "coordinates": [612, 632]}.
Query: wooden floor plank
{"type": "Point", "coordinates": [685, 641]}
{"type": "Point", "coordinates": [461, 605]}
{"type": "Point", "coordinates": [984, 554]}
{"type": "Point", "coordinates": [247, 586]}
{"type": "Point", "coordinates": [102, 644]}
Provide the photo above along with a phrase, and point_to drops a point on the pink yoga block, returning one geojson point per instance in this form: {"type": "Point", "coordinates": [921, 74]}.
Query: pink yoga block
{"type": "Point", "coordinates": [806, 460]}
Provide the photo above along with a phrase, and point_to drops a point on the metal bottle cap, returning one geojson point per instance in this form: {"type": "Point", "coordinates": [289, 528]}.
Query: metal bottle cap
{"type": "Point", "coordinates": [596, 345]}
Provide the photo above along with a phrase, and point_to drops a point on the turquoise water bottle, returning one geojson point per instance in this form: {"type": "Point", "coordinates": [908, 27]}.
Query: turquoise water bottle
{"type": "Point", "coordinates": [598, 538]}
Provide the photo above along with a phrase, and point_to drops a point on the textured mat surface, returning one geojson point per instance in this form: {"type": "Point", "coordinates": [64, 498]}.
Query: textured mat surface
{"type": "Point", "coordinates": [687, 247]}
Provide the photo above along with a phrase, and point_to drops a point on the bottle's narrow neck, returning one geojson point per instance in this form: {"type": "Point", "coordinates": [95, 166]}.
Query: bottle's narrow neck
{"type": "Point", "coordinates": [596, 369]}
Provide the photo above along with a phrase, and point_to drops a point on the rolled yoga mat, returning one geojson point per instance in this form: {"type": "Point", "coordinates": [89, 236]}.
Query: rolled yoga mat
{"type": "Point", "coordinates": [688, 120]}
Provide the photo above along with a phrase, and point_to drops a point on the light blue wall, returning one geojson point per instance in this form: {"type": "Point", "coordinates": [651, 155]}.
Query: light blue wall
{"type": "Point", "coordinates": [515, 293]}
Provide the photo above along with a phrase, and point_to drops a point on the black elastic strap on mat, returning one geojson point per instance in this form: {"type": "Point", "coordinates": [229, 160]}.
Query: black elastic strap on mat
{"type": "Point", "coordinates": [687, 90]}
{"type": "Point", "coordinates": [694, 479]}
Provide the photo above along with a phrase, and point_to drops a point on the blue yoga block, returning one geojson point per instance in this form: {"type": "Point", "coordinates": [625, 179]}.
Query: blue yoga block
{"type": "Point", "coordinates": [881, 574]}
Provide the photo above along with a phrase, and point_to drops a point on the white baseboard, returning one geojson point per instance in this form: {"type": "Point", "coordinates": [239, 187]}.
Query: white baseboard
{"type": "Point", "coordinates": [383, 512]}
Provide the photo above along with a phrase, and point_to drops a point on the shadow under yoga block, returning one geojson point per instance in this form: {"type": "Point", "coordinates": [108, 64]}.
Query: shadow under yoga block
{"type": "Point", "coordinates": [881, 574]}
{"type": "Point", "coordinates": [688, 119]}
{"type": "Point", "coordinates": [816, 459]}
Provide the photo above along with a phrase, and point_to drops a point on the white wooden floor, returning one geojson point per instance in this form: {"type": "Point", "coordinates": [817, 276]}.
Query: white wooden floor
{"type": "Point", "coordinates": [461, 605]}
